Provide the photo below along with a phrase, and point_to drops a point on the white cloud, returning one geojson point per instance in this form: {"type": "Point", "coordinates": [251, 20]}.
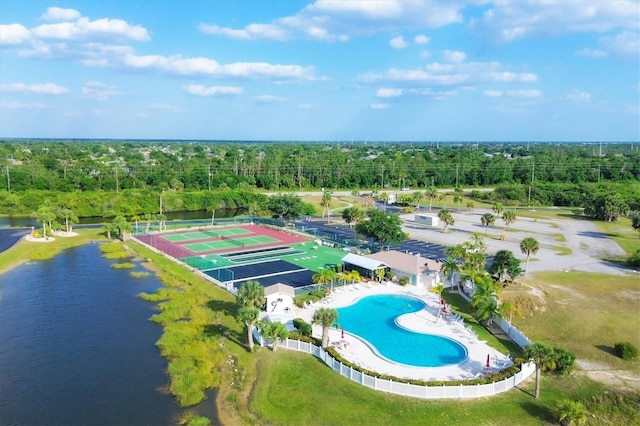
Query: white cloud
{"type": "Point", "coordinates": [493, 93]}
{"type": "Point", "coordinates": [512, 20]}
{"type": "Point", "coordinates": [389, 93]}
{"type": "Point", "coordinates": [421, 39]}
{"type": "Point", "coordinates": [306, 106]}
{"type": "Point", "coordinates": [83, 28]}
{"type": "Point", "coordinates": [531, 93]}
{"type": "Point", "coordinates": [198, 90]}
{"type": "Point", "coordinates": [454, 56]}
{"type": "Point", "coordinates": [42, 89]}
{"type": "Point", "coordinates": [211, 68]}
{"type": "Point", "coordinates": [163, 107]}
{"type": "Point", "coordinates": [338, 21]}
{"type": "Point", "coordinates": [592, 53]}
{"type": "Point", "coordinates": [99, 91]}
{"type": "Point", "coordinates": [379, 106]}
{"type": "Point", "coordinates": [13, 34]}
{"type": "Point", "coordinates": [250, 32]}
{"type": "Point", "coordinates": [20, 105]}
{"type": "Point", "coordinates": [59, 14]}
{"type": "Point", "coordinates": [398, 42]}
{"type": "Point", "coordinates": [268, 99]}
{"type": "Point", "coordinates": [577, 97]}
{"type": "Point", "coordinates": [626, 44]}
{"type": "Point", "coordinates": [467, 73]}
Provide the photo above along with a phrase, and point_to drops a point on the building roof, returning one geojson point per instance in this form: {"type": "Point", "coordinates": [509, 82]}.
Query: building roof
{"type": "Point", "coordinates": [405, 262]}
{"type": "Point", "coordinates": [279, 288]}
{"type": "Point", "coordinates": [364, 262]}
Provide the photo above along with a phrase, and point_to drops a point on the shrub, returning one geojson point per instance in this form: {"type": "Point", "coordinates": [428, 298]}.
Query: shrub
{"type": "Point", "coordinates": [303, 327]}
{"type": "Point", "coordinates": [625, 350]}
{"type": "Point", "coordinates": [571, 412]}
{"type": "Point", "coordinates": [634, 259]}
{"type": "Point", "coordinates": [403, 280]}
{"type": "Point", "coordinates": [563, 360]}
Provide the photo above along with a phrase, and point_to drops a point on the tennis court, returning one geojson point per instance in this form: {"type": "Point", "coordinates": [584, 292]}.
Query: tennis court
{"type": "Point", "coordinates": [234, 255]}
{"type": "Point", "coordinates": [225, 243]}
{"type": "Point", "coordinates": [203, 234]}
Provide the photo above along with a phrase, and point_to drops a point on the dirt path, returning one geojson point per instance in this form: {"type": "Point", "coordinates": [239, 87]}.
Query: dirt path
{"type": "Point", "coordinates": [620, 379]}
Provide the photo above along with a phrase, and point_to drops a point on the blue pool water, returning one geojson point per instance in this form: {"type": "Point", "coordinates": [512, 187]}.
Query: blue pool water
{"type": "Point", "coordinates": [373, 319]}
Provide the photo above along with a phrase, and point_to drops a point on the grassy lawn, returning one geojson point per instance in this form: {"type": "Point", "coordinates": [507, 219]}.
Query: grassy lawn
{"type": "Point", "coordinates": [587, 314]}
{"type": "Point", "coordinates": [26, 251]}
{"type": "Point", "coordinates": [294, 389]}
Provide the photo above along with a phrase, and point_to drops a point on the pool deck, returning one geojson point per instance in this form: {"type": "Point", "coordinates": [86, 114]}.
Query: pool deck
{"type": "Point", "coordinates": [359, 352]}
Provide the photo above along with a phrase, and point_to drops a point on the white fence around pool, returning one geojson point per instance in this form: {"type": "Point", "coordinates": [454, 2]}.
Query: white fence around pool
{"type": "Point", "coordinates": [407, 389]}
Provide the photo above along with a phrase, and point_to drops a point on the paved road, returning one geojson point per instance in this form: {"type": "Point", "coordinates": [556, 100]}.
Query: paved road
{"type": "Point", "coordinates": [9, 237]}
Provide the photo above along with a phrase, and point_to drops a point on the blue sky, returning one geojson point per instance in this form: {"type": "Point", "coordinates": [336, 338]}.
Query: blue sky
{"type": "Point", "coordinates": [477, 70]}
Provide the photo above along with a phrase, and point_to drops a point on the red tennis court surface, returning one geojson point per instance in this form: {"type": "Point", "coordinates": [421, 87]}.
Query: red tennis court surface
{"type": "Point", "coordinates": [178, 250]}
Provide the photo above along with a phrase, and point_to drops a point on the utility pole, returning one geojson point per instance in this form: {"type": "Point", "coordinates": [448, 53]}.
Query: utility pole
{"type": "Point", "coordinates": [456, 175]}
{"type": "Point", "coordinates": [382, 189]}
{"type": "Point", "coordinates": [8, 180]}
{"type": "Point", "coordinates": [533, 170]}
{"type": "Point", "coordinates": [209, 177]}
{"type": "Point", "coordinates": [117, 183]}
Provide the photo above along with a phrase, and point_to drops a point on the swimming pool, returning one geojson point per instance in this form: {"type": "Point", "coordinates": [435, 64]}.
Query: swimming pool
{"type": "Point", "coordinates": [373, 318]}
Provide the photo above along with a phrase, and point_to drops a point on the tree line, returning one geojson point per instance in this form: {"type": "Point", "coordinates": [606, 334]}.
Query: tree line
{"type": "Point", "coordinates": [68, 166]}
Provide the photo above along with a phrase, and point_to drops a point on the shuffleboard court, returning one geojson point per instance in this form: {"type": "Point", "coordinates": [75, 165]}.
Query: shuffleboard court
{"type": "Point", "coordinates": [262, 269]}
{"type": "Point", "coordinates": [294, 279]}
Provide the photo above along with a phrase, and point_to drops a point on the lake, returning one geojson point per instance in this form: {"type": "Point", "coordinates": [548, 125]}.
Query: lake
{"type": "Point", "coordinates": [27, 221]}
{"type": "Point", "coordinates": [77, 346]}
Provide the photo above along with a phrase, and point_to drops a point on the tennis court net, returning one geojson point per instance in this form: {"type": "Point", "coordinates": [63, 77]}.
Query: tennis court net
{"type": "Point", "coordinates": [207, 232]}
{"type": "Point", "coordinates": [236, 242]}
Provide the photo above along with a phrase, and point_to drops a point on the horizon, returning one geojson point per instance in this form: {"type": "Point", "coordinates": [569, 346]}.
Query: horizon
{"type": "Point", "coordinates": [321, 70]}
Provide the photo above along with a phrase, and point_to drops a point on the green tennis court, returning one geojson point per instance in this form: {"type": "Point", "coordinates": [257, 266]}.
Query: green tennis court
{"type": "Point", "coordinates": [304, 255]}
{"type": "Point", "coordinates": [202, 235]}
{"type": "Point", "coordinates": [230, 243]}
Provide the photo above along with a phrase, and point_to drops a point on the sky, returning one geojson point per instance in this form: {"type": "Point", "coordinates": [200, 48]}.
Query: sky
{"type": "Point", "coordinates": [324, 70]}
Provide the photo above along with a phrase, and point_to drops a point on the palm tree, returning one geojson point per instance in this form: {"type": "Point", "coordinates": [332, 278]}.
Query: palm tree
{"type": "Point", "coordinates": [447, 219]}
{"type": "Point", "coordinates": [46, 215]}
{"type": "Point", "coordinates": [457, 197]}
{"type": "Point", "coordinates": [325, 317]}
{"type": "Point", "coordinates": [354, 276]}
{"type": "Point", "coordinates": [148, 217]}
{"type": "Point", "coordinates": [471, 205]}
{"type": "Point", "coordinates": [69, 218]}
{"type": "Point", "coordinates": [528, 246]}
{"type": "Point", "coordinates": [249, 315]}
{"type": "Point", "coordinates": [274, 331]}
{"type": "Point", "coordinates": [251, 295]}
{"type": "Point", "coordinates": [355, 193]}
{"type": "Point", "coordinates": [485, 299]}
{"type": "Point", "coordinates": [122, 226]}
{"type": "Point", "coordinates": [417, 198]}
{"type": "Point", "coordinates": [487, 220]}
{"type": "Point", "coordinates": [509, 217]}
{"type": "Point", "coordinates": [443, 197]}
{"type": "Point", "coordinates": [325, 276]}
{"type": "Point", "coordinates": [449, 268]}
{"type": "Point", "coordinates": [326, 203]}
{"type": "Point", "coordinates": [368, 202]}
{"type": "Point", "coordinates": [432, 192]}
{"type": "Point", "coordinates": [498, 208]}
{"type": "Point", "coordinates": [136, 218]}
{"type": "Point", "coordinates": [508, 309]}
{"type": "Point", "coordinates": [539, 353]}
{"type": "Point", "coordinates": [438, 289]}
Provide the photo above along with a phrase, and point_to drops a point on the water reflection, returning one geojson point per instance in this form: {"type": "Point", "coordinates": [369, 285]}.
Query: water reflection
{"type": "Point", "coordinates": [77, 346]}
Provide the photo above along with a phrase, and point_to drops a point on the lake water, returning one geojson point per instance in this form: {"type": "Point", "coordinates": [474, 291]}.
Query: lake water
{"type": "Point", "coordinates": [77, 346]}
{"type": "Point", "coordinates": [26, 221]}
